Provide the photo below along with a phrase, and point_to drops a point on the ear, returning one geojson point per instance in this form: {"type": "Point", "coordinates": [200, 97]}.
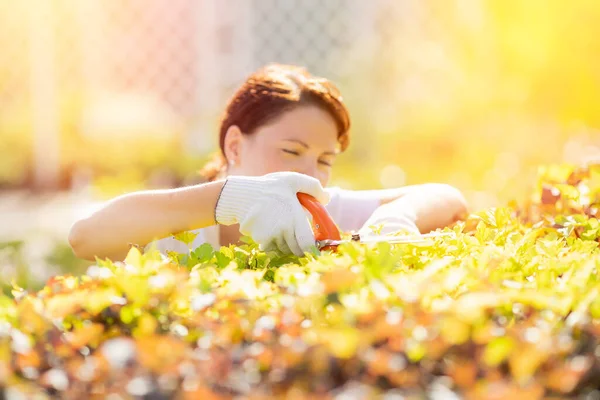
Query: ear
{"type": "Point", "coordinates": [233, 143]}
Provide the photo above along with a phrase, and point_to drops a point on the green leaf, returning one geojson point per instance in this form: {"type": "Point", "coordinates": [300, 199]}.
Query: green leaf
{"type": "Point", "coordinates": [222, 259]}
{"type": "Point", "coordinates": [203, 253]}
{"type": "Point", "coordinates": [8, 310]}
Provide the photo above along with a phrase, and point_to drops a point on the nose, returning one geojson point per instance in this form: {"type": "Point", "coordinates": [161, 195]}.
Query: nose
{"type": "Point", "coordinates": [311, 168]}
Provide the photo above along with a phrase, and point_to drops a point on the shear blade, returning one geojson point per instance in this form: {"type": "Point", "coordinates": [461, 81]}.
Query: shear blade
{"type": "Point", "coordinates": [389, 239]}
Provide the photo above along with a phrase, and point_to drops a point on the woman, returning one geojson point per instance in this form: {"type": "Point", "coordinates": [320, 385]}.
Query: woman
{"type": "Point", "coordinates": [280, 135]}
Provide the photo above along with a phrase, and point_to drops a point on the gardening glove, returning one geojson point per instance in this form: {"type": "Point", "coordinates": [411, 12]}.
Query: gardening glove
{"type": "Point", "coordinates": [267, 209]}
{"type": "Point", "coordinates": [396, 216]}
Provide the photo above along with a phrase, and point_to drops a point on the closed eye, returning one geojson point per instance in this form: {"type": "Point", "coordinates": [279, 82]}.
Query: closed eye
{"type": "Point", "coordinates": [290, 152]}
{"type": "Point", "coordinates": [325, 163]}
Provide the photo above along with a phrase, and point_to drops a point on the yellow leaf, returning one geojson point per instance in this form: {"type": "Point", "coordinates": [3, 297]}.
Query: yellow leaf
{"type": "Point", "coordinates": [31, 319]}
{"type": "Point", "coordinates": [98, 300]}
{"type": "Point", "coordinates": [61, 305]}
{"type": "Point", "coordinates": [524, 362]}
{"type": "Point", "coordinates": [455, 331]}
{"type": "Point", "coordinates": [136, 289]}
{"type": "Point", "coordinates": [88, 334]}
{"type": "Point", "coordinates": [342, 342]}
{"type": "Point", "coordinates": [158, 353]}
{"type": "Point", "coordinates": [338, 279]}
{"type": "Point", "coordinates": [186, 237]}
{"type": "Point", "coordinates": [134, 257]}
{"type": "Point", "coordinates": [498, 350]}
{"type": "Point", "coordinates": [146, 325]}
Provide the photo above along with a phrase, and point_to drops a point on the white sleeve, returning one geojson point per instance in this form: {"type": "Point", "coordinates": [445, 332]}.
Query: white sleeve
{"type": "Point", "coordinates": [205, 235]}
{"type": "Point", "coordinates": [168, 244]}
{"type": "Point", "coordinates": [350, 209]}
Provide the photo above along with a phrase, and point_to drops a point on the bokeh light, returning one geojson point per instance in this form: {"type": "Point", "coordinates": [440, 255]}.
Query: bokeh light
{"type": "Point", "coordinates": [98, 98]}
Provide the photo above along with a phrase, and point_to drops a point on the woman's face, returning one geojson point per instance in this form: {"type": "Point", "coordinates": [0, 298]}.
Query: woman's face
{"type": "Point", "coordinates": [303, 140]}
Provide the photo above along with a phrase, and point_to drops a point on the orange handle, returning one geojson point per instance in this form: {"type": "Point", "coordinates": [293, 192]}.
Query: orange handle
{"type": "Point", "coordinates": [323, 226]}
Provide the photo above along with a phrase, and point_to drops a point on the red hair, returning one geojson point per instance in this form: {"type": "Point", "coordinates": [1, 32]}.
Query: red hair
{"type": "Point", "coordinates": [270, 92]}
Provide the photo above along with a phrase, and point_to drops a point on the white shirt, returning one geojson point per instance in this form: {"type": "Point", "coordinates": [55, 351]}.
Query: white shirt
{"type": "Point", "coordinates": [350, 209]}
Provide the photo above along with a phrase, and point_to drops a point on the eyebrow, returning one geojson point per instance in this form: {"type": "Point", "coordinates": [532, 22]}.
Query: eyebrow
{"type": "Point", "coordinates": [301, 143]}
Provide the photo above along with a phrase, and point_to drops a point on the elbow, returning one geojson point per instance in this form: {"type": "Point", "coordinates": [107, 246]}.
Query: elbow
{"type": "Point", "coordinates": [455, 202]}
{"type": "Point", "coordinates": [77, 242]}
{"type": "Point", "coordinates": [448, 203]}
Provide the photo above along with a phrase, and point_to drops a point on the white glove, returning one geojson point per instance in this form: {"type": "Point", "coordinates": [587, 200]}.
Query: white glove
{"type": "Point", "coordinates": [267, 209]}
{"type": "Point", "coordinates": [394, 217]}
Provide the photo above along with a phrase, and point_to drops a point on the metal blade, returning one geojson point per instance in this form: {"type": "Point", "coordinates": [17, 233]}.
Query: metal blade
{"type": "Point", "coordinates": [403, 239]}
{"type": "Point", "coordinates": [387, 238]}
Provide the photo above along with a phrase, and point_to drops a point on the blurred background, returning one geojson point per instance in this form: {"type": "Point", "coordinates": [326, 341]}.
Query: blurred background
{"type": "Point", "coordinates": [101, 97]}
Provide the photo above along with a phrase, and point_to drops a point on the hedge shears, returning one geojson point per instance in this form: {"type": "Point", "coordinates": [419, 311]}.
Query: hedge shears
{"type": "Point", "coordinates": [328, 236]}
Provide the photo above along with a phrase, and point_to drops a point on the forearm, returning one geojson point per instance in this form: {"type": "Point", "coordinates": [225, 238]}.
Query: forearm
{"type": "Point", "coordinates": [141, 217]}
{"type": "Point", "coordinates": [423, 207]}
{"type": "Point", "coordinates": [437, 206]}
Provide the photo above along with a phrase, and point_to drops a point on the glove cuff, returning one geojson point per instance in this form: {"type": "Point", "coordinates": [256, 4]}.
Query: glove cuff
{"type": "Point", "coordinates": [237, 196]}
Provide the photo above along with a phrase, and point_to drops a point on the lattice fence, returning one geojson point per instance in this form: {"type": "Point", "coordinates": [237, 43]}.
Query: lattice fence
{"type": "Point", "coordinates": [130, 66]}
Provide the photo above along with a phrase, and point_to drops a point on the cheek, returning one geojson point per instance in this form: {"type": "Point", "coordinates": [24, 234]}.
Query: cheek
{"type": "Point", "coordinates": [279, 161]}
{"type": "Point", "coordinates": [273, 159]}
{"type": "Point", "coordinates": [261, 160]}
{"type": "Point", "coordinates": [250, 159]}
